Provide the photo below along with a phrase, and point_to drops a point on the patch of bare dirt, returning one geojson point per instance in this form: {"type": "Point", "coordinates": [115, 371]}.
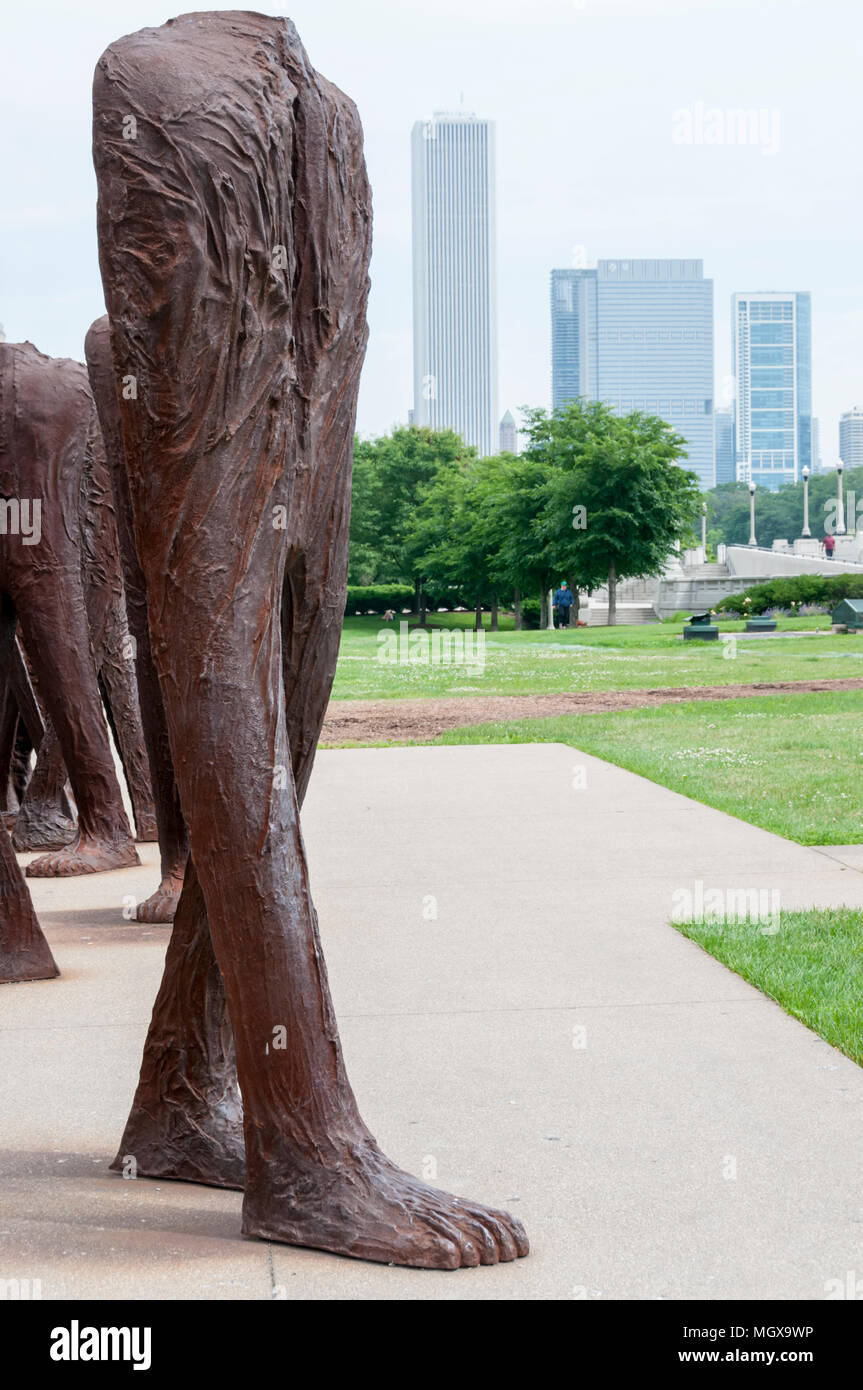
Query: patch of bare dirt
{"type": "Point", "coordinates": [380, 721]}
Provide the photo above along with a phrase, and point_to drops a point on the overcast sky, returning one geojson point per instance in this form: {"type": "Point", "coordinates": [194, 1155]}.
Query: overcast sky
{"type": "Point", "coordinates": [584, 93]}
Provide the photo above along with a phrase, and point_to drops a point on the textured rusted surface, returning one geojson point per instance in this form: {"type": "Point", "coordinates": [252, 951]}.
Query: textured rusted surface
{"type": "Point", "coordinates": [24, 952]}
{"type": "Point", "coordinates": [109, 631]}
{"type": "Point", "coordinates": [173, 841]}
{"type": "Point", "coordinates": [234, 231]}
{"type": "Point", "coordinates": [43, 820]}
{"type": "Point", "coordinates": [45, 815]}
{"type": "Point", "coordinates": [187, 1117]}
{"type": "Point", "coordinates": [47, 418]}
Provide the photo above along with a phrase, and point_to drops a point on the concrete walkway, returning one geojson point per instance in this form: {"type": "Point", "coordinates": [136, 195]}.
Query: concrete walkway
{"type": "Point", "coordinates": [520, 1022]}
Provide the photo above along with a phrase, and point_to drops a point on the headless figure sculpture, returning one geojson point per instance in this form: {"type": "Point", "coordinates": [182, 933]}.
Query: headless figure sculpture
{"type": "Point", "coordinates": [173, 841]}
{"type": "Point", "coordinates": [45, 817]}
{"type": "Point", "coordinates": [47, 428]}
{"type": "Point", "coordinates": [234, 234]}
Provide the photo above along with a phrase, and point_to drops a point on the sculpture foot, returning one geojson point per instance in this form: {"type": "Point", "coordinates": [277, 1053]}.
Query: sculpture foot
{"type": "Point", "coordinates": [371, 1210]}
{"type": "Point", "coordinates": [207, 1149]}
{"type": "Point", "coordinates": [161, 906]}
{"type": "Point", "coordinates": [42, 828]}
{"type": "Point", "coordinates": [34, 963]}
{"type": "Point", "coordinates": [85, 856]}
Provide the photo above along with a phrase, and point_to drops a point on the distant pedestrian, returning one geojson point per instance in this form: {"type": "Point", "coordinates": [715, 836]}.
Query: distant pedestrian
{"type": "Point", "coordinates": [563, 601]}
{"type": "Point", "coordinates": [829, 544]}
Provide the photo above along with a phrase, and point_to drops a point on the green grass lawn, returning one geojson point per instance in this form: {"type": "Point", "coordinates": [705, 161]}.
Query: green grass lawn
{"type": "Point", "coordinates": [588, 659]}
{"type": "Point", "coordinates": [812, 967]}
{"type": "Point", "coordinates": [790, 763]}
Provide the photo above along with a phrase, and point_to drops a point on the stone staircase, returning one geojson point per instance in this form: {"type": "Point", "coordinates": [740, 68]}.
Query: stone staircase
{"type": "Point", "coordinates": [636, 599]}
{"type": "Point", "coordinates": [597, 615]}
{"type": "Point", "coordinates": [708, 571]}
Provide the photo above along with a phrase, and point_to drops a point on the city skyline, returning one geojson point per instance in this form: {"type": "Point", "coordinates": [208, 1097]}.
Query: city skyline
{"type": "Point", "coordinates": [630, 158]}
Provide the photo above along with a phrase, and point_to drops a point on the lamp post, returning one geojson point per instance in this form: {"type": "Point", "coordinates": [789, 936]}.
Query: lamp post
{"type": "Point", "coordinates": [752, 540]}
{"type": "Point", "coordinates": [806, 532]}
{"type": "Point", "coordinates": [840, 514]}
{"type": "Point", "coordinates": [704, 528]}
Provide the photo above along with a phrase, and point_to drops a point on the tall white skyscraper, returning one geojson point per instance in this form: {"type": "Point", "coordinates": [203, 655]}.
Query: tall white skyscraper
{"type": "Point", "coordinates": [455, 277]}
{"type": "Point", "coordinates": [851, 438]}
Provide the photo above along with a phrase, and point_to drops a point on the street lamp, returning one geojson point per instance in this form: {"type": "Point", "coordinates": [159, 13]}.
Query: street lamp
{"type": "Point", "coordinates": [840, 515]}
{"type": "Point", "coordinates": [704, 528]}
{"type": "Point", "coordinates": [806, 532]}
{"type": "Point", "coordinates": [752, 540]}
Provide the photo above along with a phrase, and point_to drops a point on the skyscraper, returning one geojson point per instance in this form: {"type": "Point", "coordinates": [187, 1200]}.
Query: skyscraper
{"type": "Point", "coordinates": [573, 335]}
{"type": "Point", "coordinates": [639, 336]}
{"type": "Point", "coordinates": [816, 465]}
{"type": "Point", "coordinates": [455, 277]}
{"type": "Point", "coordinates": [723, 428]}
{"type": "Point", "coordinates": [772, 363]}
{"type": "Point", "coordinates": [851, 438]}
{"type": "Point", "coordinates": [508, 442]}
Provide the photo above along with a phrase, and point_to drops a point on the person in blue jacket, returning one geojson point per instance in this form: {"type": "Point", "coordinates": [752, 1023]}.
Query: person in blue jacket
{"type": "Point", "coordinates": [563, 601]}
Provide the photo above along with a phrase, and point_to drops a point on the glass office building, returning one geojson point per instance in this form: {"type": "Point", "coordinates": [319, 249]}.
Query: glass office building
{"type": "Point", "coordinates": [455, 277]}
{"type": "Point", "coordinates": [772, 363]}
{"type": "Point", "coordinates": [573, 336]}
{"type": "Point", "coordinates": [639, 336]}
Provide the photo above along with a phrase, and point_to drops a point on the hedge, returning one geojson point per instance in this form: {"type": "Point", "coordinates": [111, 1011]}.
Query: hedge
{"type": "Point", "coordinates": [377, 598]}
{"type": "Point", "coordinates": [530, 612]}
{"type": "Point", "coordinates": [787, 590]}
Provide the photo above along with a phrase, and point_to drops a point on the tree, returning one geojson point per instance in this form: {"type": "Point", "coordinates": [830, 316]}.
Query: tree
{"type": "Point", "coordinates": [451, 539]}
{"type": "Point", "coordinates": [391, 476]}
{"type": "Point", "coordinates": [615, 500]}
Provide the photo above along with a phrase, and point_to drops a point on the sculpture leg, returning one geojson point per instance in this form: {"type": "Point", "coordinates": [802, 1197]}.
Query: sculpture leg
{"type": "Point", "coordinates": [24, 952]}
{"type": "Point", "coordinates": [171, 830]}
{"type": "Point", "coordinates": [106, 615]}
{"type": "Point", "coordinates": [186, 1120]}
{"type": "Point", "coordinates": [8, 737]}
{"type": "Point", "coordinates": [121, 705]}
{"type": "Point", "coordinates": [57, 639]}
{"type": "Point", "coordinates": [42, 822]}
{"type": "Point", "coordinates": [214, 455]}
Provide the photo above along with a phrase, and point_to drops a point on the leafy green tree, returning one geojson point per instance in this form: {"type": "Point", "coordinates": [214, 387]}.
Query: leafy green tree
{"type": "Point", "coordinates": [391, 476]}
{"type": "Point", "coordinates": [615, 499]}
{"type": "Point", "coordinates": [452, 540]}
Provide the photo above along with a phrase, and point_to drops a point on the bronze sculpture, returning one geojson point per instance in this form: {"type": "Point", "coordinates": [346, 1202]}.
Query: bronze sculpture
{"type": "Point", "coordinates": [24, 952]}
{"type": "Point", "coordinates": [45, 818]}
{"type": "Point", "coordinates": [48, 433]}
{"type": "Point", "coordinates": [234, 232]}
{"type": "Point", "coordinates": [173, 841]}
